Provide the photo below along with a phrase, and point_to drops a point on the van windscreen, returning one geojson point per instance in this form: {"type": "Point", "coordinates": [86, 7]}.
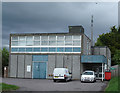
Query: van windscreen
{"type": "Point", "coordinates": [59, 71]}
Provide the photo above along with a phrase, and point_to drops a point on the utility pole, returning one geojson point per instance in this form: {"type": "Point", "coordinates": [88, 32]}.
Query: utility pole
{"type": "Point", "coordinates": [92, 30]}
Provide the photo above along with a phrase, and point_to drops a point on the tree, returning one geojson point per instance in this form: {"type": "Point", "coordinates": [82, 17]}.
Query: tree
{"type": "Point", "coordinates": [116, 57]}
{"type": "Point", "coordinates": [112, 40]}
{"type": "Point", "coordinates": [5, 58]}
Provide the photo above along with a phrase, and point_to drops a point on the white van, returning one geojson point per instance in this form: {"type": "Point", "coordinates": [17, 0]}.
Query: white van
{"type": "Point", "coordinates": [61, 74]}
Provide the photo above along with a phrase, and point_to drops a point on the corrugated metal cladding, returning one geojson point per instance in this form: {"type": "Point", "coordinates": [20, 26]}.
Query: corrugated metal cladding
{"type": "Point", "coordinates": [93, 59]}
{"type": "Point", "coordinates": [42, 66]}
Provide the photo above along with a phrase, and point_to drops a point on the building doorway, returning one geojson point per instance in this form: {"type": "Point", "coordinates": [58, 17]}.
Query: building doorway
{"type": "Point", "coordinates": [39, 70]}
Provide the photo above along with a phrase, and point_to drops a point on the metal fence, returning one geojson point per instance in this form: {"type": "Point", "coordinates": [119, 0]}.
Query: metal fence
{"type": "Point", "coordinates": [116, 71]}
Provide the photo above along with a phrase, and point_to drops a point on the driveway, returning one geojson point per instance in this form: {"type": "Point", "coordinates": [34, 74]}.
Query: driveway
{"type": "Point", "coordinates": [49, 85]}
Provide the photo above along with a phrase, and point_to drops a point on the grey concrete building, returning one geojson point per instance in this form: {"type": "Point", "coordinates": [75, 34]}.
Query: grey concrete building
{"type": "Point", "coordinates": [35, 55]}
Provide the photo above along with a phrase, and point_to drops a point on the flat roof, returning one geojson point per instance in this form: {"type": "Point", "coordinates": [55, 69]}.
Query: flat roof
{"type": "Point", "coordinates": [24, 34]}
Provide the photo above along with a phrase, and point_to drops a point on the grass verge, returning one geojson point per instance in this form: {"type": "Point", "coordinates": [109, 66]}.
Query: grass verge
{"type": "Point", "coordinates": [113, 85]}
{"type": "Point", "coordinates": [8, 87]}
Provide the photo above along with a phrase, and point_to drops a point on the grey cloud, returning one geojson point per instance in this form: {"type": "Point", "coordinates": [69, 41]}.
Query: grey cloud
{"type": "Point", "coordinates": [56, 17]}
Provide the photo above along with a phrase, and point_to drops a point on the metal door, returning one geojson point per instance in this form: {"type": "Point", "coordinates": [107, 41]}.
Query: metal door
{"type": "Point", "coordinates": [36, 70]}
{"type": "Point", "coordinates": [42, 70]}
{"type": "Point", "coordinates": [39, 70]}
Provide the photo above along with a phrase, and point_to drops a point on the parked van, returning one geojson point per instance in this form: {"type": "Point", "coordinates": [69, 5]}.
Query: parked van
{"type": "Point", "coordinates": [61, 74]}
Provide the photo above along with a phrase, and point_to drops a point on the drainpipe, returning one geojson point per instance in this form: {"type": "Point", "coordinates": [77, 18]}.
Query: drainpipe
{"type": "Point", "coordinates": [102, 71]}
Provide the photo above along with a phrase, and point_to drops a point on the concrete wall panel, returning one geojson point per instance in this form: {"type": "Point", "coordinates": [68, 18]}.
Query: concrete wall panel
{"type": "Point", "coordinates": [108, 53]}
{"type": "Point", "coordinates": [28, 62]}
{"type": "Point", "coordinates": [103, 51]}
{"type": "Point", "coordinates": [50, 65]}
{"type": "Point", "coordinates": [86, 45]}
{"type": "Point", "coordinates": [59, 61]}
{"type": "Point", "coordinates": [76, 67]}
{"type": "Point", "coordinates": [13, 66]}
{"type": "Point", "coordinates": [21, 67]}
{"type": "Point", "coordinates": [96, 51]}
{"type": "Point", "coordinates": [68, 62]}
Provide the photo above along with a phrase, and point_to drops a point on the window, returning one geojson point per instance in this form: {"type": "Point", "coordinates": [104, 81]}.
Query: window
{"type": "Point", "coordinates": [44, 49]}
{"type": "Point", "coordinates": [52, 43]}
{"type": "Point", "coordinates": [60, 43]}
{"type": "Point", "coordinates": [44, 37]}
{"type": "Point", "coordinates": [36, 43]}
{"type": "Point", "coordinates": [21, 49]}
{"type": "Point", "coordinates": [29, 40]}
{"type": "Point", "coordinates": [28, 49]}
{"type": "Point", "coordinates": [45, 43]}
{"type": "Point", "coordinates": [29, 43]}
{"type": "Point", "coordinates": [22, 43]}
{"type": "Point", "coordinates": [76, 37]}
{"type": "Point", "coordinates": [52, 49]}
{"type": "Point", "coordinates": [68, 37]}
{"type": "Point", "coordinates": [76, 49]}
{"type": "Point", "coordinates": [14, 43]}
{"type": "Point", "coordinates": [67, 43]}
{"type": "Point", "coordinates": [40, 58]}
{"type": "Point", "coordinates": [36, 49]}
{"type": "Point", "coordinates": [15, 38]}
{"type": "Point", "coordinates": [22, 38]}
{"type": "Point", "coordinates": [37, 38]}
{"type": "Point", "coordinates": [52, 37]}
{"type": "Point", "coordinates": [68, 49]}
{"type": "Point", "coordinates": [60, 37]}
{"type": "Point", "coordinates": [60, 49]}
{"type": "Point", "coordinates": [76, 43]}
{"type": "Point", "coordinates": [14, 49]}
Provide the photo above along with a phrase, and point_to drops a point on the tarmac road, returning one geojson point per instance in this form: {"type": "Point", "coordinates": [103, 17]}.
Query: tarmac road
{"type": "Point", "coordinates": [49, 85]}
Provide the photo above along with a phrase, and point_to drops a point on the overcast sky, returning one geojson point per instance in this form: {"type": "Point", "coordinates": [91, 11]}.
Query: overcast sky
{"type": "Point", "coordinates": [56, 17]}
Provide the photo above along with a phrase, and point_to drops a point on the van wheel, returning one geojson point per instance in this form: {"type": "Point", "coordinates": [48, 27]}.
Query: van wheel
{"type": "Point", "coordinates": [65, 79]}
{"type": "Point", "coordinates": [95, 80]}
{"type": "Point", "coordinates": [54, 80]}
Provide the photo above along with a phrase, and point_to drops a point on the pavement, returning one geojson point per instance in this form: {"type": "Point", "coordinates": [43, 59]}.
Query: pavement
{"type": "Point", "coordinates": [49, 85]}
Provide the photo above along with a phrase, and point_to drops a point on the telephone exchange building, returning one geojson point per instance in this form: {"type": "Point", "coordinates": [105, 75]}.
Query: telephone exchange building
{"type": "Point", "coordinates": [35, 55]}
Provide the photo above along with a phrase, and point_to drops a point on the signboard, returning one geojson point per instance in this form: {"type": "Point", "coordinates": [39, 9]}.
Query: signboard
{"type": "Point", "coordinates": [112, 68]}
{"type": "Point", "coordinates": [28, 68]}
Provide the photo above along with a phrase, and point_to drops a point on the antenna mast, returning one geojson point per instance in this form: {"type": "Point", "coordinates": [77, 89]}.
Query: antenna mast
{"type": "Point", "coordinates": [92, 30]}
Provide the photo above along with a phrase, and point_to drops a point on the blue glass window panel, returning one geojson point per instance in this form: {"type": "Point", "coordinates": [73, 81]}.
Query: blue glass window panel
{"type": "Point", "coordinates": [21, 49]}
{"type": "Point", "coordinates": [44, 49]}
{"type": "Point", "coordinates": [52, 49]}
{"type": "Point", "coordinates": [76, 49]}
{"type": "Point", "coordinates": [14, 49]}
{"type": "Point", "coordinates": [60, 49]}
{"type": "Point", "coordinates": [68, 49]}
{"type": "Point", "coordinates": [40, 58]}
{"type": "Point", "coordinates": [36, 49]}
{"type": "Point", "coordinates": [28, 49]}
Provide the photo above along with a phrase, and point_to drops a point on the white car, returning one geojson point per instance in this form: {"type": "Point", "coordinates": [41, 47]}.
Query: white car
{"type": "Point", "coordinates": [88, 76]}
{"type": "Point", "coordinates": [61, 74]}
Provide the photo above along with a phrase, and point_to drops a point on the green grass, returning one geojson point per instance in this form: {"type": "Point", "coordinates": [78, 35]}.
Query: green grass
{"type": "Point", "coordinates": [113, 85]}
{"type": "Point", "coordinates": [8, 87]}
